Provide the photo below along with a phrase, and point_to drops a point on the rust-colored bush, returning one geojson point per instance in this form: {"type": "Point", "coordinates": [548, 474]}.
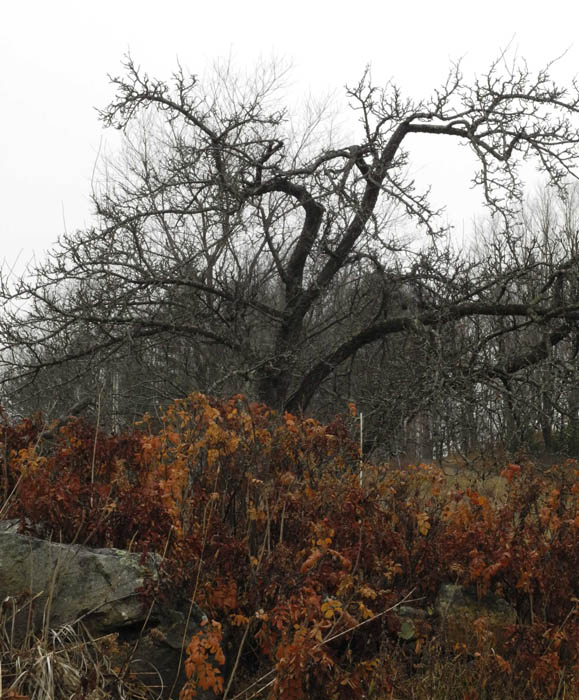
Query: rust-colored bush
{"type": "Point", "coordinates": [265, 523]}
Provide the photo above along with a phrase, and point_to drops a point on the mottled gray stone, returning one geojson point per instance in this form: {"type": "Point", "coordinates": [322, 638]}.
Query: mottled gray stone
{"type": "Point", "coordinates": [99, 586]}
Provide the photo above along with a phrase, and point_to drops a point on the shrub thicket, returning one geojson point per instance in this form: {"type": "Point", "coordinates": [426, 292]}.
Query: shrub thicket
{"type": "Point", "coordinates": [273, 526]}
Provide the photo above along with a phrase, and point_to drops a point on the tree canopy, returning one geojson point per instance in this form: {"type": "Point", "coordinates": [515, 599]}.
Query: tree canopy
{"type": "Point", "coordinates": [239, 245]}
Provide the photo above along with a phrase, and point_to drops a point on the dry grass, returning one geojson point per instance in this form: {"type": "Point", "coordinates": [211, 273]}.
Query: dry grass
{"type": "Point", "coordinates": [440, 675]}
{"type": "Point", "coordinates": [61, 664]}
{"type": "Point", "coordinates": [461, 680]}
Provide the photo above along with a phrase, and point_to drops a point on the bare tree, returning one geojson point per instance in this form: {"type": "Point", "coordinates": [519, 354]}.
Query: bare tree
{"type": "Point", "coordinates": [257, 253]}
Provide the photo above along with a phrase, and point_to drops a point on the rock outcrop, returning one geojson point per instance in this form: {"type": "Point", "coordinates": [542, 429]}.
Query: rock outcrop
{"type": "Point", "coordinates": [99, 587]}
{"type": "Point", "coordinates": [70, 584]}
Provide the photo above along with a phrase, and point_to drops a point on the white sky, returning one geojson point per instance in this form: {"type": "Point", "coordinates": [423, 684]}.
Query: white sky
{"type": "Point", "coordinates": [55, 56]}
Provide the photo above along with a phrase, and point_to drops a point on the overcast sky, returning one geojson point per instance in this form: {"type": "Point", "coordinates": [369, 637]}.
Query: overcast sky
{"type": "Point", "coordinates": [55, 56]}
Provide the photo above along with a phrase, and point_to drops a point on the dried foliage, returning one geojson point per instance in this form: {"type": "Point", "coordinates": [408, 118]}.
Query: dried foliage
{"type": "Point", "coordinates": [61, 664]}
{"type": "Point", "coordinates": [300, 555]}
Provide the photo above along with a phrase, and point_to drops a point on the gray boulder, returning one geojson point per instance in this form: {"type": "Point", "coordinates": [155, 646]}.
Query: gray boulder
{"type": "Point", "coordinates": [72, 582]}
{"type": "Point", "coordinates": [100, 587]}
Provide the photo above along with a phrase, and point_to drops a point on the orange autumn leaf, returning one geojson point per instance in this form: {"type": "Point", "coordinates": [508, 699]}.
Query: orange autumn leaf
{"type": "Point", "coordinates": [311, 561]}
{"type": "Point", "coordinates": [423, 523]}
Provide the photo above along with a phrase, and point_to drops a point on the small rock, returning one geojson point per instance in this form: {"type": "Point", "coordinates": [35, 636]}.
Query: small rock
{"type": "Point", "coordinates": [459, 611]}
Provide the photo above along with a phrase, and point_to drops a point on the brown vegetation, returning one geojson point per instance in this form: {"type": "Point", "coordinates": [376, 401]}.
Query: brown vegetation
{"type": "Point", "coordinates": [300, 555]}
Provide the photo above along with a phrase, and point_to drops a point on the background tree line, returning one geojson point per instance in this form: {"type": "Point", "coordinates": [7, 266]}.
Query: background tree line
{"type": "Point", "coordinates": [242, 247]}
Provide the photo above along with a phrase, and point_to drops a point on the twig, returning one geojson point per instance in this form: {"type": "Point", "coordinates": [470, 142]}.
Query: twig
{"type": "Point", "coordinates": [405, 599]}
